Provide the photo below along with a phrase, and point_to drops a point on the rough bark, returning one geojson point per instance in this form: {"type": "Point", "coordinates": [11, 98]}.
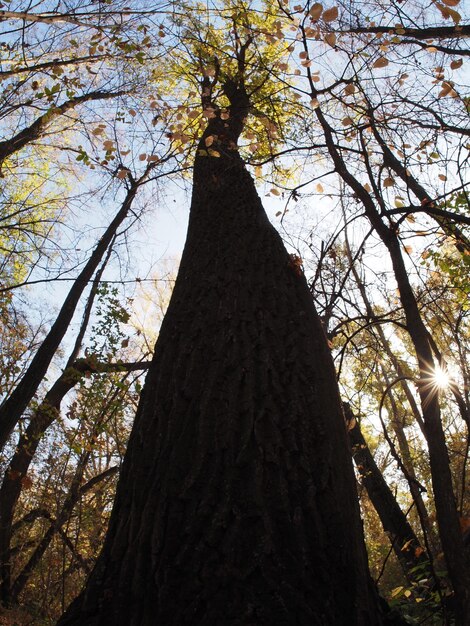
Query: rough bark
{"type": "Point", "coordinates": [236, 503]}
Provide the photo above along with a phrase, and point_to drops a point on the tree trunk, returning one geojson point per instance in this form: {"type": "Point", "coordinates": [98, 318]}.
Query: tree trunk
{"type": "Point", "coordinates": [236, 504]}
{"type": "Point", "coordinates": [403, 538]}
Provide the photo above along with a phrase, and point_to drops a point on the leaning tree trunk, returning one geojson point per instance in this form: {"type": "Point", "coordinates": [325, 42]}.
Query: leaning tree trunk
{"type": "Point", "coordinates": [236, 503]}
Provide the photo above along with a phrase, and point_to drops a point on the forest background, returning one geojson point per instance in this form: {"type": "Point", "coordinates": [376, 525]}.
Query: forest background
{"type": "Point", "coordinates": [359, 142]}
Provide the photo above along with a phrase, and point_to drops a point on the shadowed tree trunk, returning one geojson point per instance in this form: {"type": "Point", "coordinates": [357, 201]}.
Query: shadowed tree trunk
{"type": "Point", "coordinates": [403, 538]}
{"type": "Point", "coordinates": [236, 503]}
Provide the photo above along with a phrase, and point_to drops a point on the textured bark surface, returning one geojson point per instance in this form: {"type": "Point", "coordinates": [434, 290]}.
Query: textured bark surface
{"type": "Point", "coordinates": [236, 504]}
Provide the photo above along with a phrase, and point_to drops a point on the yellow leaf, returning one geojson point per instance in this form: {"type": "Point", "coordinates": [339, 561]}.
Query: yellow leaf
{"type": "Point", "coordinates": [213, 153]}
{"type": "Point", "coordinates": [399, 202]}
{"type": "Point", "coordinates": [330, 14]}
{"type": "Point", "coordinates": [381, 62]}
{"type": "Point", "coordinates": [320, 188]}
{"type": "Point", "coordinates": [407, 593]}
{"type": "Point", "coordinates": [316, 11]}
{"type": "Point", "coordinates": [456, 64]}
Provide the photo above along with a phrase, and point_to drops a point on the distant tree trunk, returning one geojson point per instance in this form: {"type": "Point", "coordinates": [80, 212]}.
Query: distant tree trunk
{"type": "Point", "coordinates": [236, 503]}
{"type": "Point", "coordinates": [403, 538]}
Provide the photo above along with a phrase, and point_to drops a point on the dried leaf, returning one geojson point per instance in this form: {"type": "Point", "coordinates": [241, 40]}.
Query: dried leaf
{"type": "Point", "coordinates": [320, 188]}
{"type": "Point", "coordinates": [330, 39]}
{"type": "Point", "coordinates": [381, 62]}
{"type": "Point", "coordinates": [447, 88]}
{"type": "Point", "coordinates": [389, 181]}
{"type": "Point", "coordinates": [316, 11]}
{"type": "Point", "coordinates": [330, 14]}
{"type": "Point", "coordinates": [451, 3]}
{"type": "Point", "coordinates": [456, 64]}
{"type": "Point", "coordinates": [209, 140]}
{"type": "Point", "coordinates": [275, 191]}
{"type": "Point", "coordinates": [346, 121]}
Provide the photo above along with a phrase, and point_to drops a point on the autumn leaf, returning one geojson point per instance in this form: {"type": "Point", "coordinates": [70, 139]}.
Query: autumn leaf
{"type": "Point", "coordinates": [456, 64]}
{"type": "Point", "coordinates": [330, 14]}
{"type": "Point", "coordinates": [381, 62]}
{"type": "Point", "coordinates": [316, 11]}
{"type": "Point", "coordinates": [275, 191]}
{"type": "Point", "coordinates": [451, 3]}
{"type": "Point", "coordinates": [330, 39]}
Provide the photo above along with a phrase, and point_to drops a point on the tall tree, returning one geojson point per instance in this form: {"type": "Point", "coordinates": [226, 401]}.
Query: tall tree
{"type": "Point", "coordinates": [236, 503]}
